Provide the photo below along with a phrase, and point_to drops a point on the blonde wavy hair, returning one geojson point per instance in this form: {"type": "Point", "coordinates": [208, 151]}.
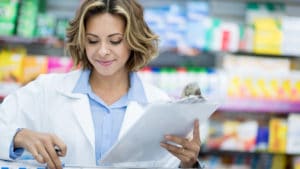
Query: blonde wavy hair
{"type": "Point", "coordinates": [142, 41]}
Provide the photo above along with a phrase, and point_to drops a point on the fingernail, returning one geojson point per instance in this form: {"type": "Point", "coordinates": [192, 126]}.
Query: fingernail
{"type": "Point", "coordinates": [58, 150]}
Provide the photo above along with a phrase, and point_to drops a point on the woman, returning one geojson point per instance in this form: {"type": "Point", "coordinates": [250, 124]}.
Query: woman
{"type": "Point", "coordinates": [81, 114]}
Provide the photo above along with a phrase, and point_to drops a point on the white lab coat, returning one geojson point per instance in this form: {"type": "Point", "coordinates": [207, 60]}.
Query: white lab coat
{"type": "Point", "coordinates": [48, 105]}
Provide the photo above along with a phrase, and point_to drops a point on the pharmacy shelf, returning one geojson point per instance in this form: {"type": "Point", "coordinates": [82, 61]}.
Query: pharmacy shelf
{"type": "Point", "coordinates": [205, 151]}
{"type": "Point", "coordinates": [35, 46]}
{"type": "Point", "coordinates": [260, 106]}
{"type": "Point", "coordinates": [176, 59]}
{"type": "Point", "coordinates": [209, 59]}
{"type": "Point", "coordinates": [241, 53]}
{"type": "Point", "coordinates": [53, 41]}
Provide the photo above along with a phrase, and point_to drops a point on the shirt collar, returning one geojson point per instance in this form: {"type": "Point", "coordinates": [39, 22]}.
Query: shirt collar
{"type": "Point", "coordinates": [135, 93]}
{"type": "Point", "coordinates": [83, 85]}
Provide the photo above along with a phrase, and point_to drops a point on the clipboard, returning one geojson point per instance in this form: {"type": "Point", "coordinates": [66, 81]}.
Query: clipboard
{"type": "Point", "coordinates": [142, 141]}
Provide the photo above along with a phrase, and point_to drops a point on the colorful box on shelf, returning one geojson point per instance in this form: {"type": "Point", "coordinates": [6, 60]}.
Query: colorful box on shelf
{"type": "Point", "coordinates": [281, 136]}
{"type": "Point", "coordinates": [232, 135]}
{"type": "Point", "coordinates": [59, 64]}
{"type": "Point", "coordinates": [293, 134]}
{"type": "Point", "coordinates": [16, 66]}
{"type": "Point", "coordinates": [243, 63]}
{"type": "Point", "coordinates": [8, 15]}
{"type": "Point", "coordinates": [277, 93]}
{"type": "Point", "coordinates": [27, 19]}
{"type": "Point", "coordinates": [173, 80]}
{"type": "Point", "coordinates": [267, 36]}
{"type": "Point", "coordinates": [34, 66]}
{"type": "Point", "coordinates": [9, 10]}
{"type": "Point", "coordinates": [261, 91]}
{"type": "Point", "coordinates": [260, 84]}
{"type": "Point", "coordinates": [291, 34]}
{"type": "Point", "coordinates": [225, 37]}
{"type": "Point", "coordinates": [281, 87]}
{"type": "Point", "coordinates": [11, 66]}
{"type": "Point", "coordinates": [277, 135]}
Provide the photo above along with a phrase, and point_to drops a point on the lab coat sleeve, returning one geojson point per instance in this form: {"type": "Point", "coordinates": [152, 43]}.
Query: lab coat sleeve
{"type": "Point", "coordinates": [21, 109]}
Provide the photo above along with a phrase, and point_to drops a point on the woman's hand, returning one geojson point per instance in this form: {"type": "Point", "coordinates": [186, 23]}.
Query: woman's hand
{"type": "Point", "coordinates": [41, 146]}
{"type": "Point", "coordinates": [188, 150]}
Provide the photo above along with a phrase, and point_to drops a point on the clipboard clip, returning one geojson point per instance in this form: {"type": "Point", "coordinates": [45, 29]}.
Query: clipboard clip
{"type": "Point", "coordinates": [191, 94]}
{"type": "Point", "coordinates": [191, 99]}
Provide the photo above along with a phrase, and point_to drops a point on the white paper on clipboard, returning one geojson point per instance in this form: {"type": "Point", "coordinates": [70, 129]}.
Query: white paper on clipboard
{"type": "Point", "coordinates": [142, 141]}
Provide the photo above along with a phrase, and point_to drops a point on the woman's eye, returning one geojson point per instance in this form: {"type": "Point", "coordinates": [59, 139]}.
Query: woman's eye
{"type": "Point", "coordinates": [92, 41]}
{"type": "Point", "coordinates": [116, 42]}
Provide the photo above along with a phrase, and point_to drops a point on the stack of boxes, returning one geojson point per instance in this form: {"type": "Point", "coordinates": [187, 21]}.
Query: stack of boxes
{"type": "Point", "coordinates": [28, 18]}
{"type": "Point", "coordinates": [8, 16]}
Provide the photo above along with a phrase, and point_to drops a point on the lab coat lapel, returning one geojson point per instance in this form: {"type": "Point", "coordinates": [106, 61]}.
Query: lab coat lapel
{"type": "Point", "coordinates": [83, 115]}
{"type": "Point", "coordinates": [80, 105]}
{"type": "Point", "coordinates": [132, 114]}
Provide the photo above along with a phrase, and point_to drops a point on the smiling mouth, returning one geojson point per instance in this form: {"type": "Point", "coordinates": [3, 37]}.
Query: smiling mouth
{"type": "Point", "coordinates": [105, 63]}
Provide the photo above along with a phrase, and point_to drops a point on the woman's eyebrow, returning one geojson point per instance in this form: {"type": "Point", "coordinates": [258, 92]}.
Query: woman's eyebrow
{"type": "Point", "coordinates": [115, 34]}
{"type": "Point", "coordinates": [94, 35]}
{"type": "Point", "coordinates": [90, 34]}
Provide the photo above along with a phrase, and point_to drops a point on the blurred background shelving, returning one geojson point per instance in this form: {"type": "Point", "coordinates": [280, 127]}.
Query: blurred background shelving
{"type": "Point", "coordinates": [244, 54]}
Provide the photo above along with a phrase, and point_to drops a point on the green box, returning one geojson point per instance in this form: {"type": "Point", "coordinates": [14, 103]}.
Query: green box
{"type": "Point", "coordinates": [61, 27]}
{"type": "Point", "coordinates": [45, 25]}
{"type": "Point", "coordinates": [8, 10]}
{"type": "Point", "coordinates": [7, 28]}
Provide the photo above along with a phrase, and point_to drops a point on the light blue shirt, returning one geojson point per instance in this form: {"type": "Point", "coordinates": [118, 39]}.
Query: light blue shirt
{"type": "Point", "coordinates": [107, 119]}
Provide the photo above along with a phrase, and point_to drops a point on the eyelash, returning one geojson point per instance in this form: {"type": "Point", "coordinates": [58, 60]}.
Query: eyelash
{"type": "Point", "coordinates": [116, 42]}
{"type": "Point", "coordinates": [112, 42]}
{"type": "Point", "coordinates": [92, 42]}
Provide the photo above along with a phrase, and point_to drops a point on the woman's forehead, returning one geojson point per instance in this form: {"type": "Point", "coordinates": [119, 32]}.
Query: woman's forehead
{"type": "Point", "coordinates": [105, 25]}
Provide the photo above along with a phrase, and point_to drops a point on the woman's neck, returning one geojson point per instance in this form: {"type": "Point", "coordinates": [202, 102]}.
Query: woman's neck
{"type": "Point", "coordinates": [109, 88]}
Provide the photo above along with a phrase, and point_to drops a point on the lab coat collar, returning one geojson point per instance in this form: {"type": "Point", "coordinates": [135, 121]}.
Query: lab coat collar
{"type": "Point", "coordinates": [81, 108]}
{"type": "Point", "coordinates": [68, 83]}
{"type": "Point", "coordinates": [83, 115]}
{"type": "Point", "coordinates": [79, 102]}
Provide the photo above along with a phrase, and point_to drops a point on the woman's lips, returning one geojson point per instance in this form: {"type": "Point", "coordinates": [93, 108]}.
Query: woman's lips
{"type": "Point", "coordinates": [105, 63]}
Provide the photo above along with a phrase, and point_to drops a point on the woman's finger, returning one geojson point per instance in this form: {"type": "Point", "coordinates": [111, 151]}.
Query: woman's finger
{"type": "Point", "coordinates": [62, 148]}
{"type": "Point", "coordinates": [177, 150]}
{"type": "Point", "coordinates": [43, 152]}
{"type": "Point", "coordinates": [53, 155]}
{"type": "Point", "coordinates": [178, 140]}
{"type": "Point", "coordinates": [196, 133]}
{"type": "Point", "coordinates": [34, 151]}
{"type": "Point", "coordinates": [172, 148]}
{"type": "Point", "coordinates": [185, 143]}
{"type": "Point", "coordinates": [183, 155]}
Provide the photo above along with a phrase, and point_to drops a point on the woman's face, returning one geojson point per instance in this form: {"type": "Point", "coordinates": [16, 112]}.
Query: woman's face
{"type": "Point", "coordinates": [106, 48]}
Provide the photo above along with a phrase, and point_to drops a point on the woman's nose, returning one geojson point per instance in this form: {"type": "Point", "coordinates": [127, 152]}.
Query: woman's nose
{"type": "Point", "coordinates": [104, 50]}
